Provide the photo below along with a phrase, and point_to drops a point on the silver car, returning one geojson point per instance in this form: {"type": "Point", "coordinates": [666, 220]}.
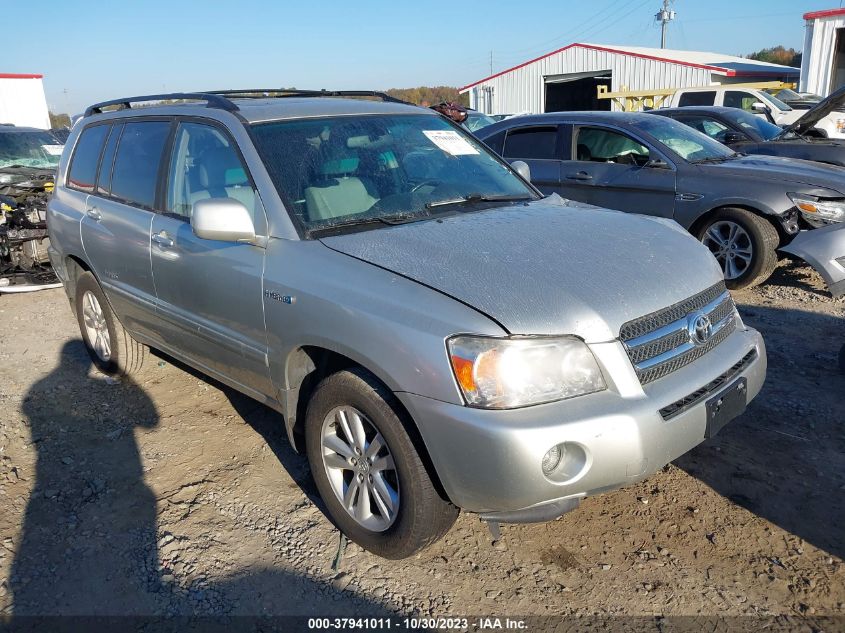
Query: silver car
{"type": "Point", "coordinates": [436, 334]}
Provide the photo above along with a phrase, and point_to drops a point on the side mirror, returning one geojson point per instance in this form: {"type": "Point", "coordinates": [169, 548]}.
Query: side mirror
{"type": "Point", "coordinates": [759, 106]}
{"type": "Point", "coordinates": [222, 219]}
{"type": "Point", "coordinates": [657, 163]}
{"type": "Point", "coordinates": [734, 137]}
{"type": "Point", "coordinates": [522, 168]}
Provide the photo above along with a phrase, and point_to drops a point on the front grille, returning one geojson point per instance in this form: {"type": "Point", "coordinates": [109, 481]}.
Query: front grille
{"type": "Point", "coordinates": [655, 320]}
{"type": "Point", "coordinates": [679, 406]}
{"type": "Point", "coordinates": [660, 343]}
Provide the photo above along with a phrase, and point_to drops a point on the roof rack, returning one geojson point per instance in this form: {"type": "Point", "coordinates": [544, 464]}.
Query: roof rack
{"type": "Point", "coordinates": [213, 100]}
{"type": "Point", "coordinates": [263, 93]}
{"type": "Point", "coordinates": [221, 99]}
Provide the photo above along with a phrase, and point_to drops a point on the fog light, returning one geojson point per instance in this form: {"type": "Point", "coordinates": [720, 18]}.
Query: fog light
{"type": "Point", "coordinates": [565, 462]}
{"type": "Point", "coordinates": [551, 460]}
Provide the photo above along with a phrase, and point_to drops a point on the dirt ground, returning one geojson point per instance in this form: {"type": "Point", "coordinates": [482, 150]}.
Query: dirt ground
{"type": "Point", "coordinates": [175, 495]}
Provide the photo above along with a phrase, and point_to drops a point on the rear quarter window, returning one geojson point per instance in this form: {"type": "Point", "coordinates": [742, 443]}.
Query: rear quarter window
{"type": "Point", "coordinates": [86, 156]}
{"type": "Point", "coordinates": [136, 163]}
{"type": "Point", "coordinates": [707, 98]}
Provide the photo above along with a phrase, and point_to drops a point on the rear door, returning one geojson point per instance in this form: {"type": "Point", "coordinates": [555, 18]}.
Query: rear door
{"type": "Point", "coordinates": [209, 292]}
{"type": "Point", "coordinates": [118, 213]}
{"type": "Point", "coordinates": [611, 168]}
{"type": "Point", "coordinates": [539, 146]}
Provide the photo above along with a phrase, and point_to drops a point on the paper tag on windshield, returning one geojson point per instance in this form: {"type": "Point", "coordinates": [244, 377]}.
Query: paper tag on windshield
{"type": "Point", "coordinates": [53, 150]}
{"type": "Point", "coordinates": [450, 142]}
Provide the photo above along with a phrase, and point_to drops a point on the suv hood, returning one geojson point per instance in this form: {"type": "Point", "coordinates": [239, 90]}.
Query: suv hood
{"type": "Point", "coordinates": [545, 268]}
{"type": "Point", "coordinates": [782, 170]}
{"type": "Point", "coordinates": [815, 114]}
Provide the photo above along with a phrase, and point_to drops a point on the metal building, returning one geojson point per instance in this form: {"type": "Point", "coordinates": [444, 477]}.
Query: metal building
{"type": "Point", "coordinates": [22, 101]}
{"type": "Point", "coordinates": [567, 79]}
{"type": "Point", "coordinates": [823, 62]}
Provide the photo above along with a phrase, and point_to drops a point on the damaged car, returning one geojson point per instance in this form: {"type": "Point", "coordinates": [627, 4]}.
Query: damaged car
{"type": "Point", "coordinates": [749, 134]}
{"type": "Point", "coordinates": [28, 161]}
{"type": "Point", "coordinates": [824, 250]}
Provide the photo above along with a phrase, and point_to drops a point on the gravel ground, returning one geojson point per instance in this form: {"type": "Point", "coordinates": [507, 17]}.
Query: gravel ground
{"type": "Point", "coordinates": [175, 495]}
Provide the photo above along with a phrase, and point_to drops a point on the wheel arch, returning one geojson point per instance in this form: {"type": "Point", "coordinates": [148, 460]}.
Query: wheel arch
{"type": "Point", "coordinates": [305, 367]}
{"type": "Point", "coordinates": [702, 219]}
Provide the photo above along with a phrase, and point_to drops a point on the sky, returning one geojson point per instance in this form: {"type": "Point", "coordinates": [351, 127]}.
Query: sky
{"type": "Point", "coordinates": [93, 50]}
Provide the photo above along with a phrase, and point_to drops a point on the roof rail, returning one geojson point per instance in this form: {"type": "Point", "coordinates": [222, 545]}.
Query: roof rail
{"type": "Point", "coordinates": [262, 93]}
{"type": "Point", "coordinates": [213, 100]}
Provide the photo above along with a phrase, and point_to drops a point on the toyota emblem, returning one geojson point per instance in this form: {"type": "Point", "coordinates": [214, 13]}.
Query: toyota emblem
{"type": "Point", "coordinates": [700, 328]}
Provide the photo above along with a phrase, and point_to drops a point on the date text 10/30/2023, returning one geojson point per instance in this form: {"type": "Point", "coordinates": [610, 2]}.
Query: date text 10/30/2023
{"type": "Point", "coordinates": [416, 624]}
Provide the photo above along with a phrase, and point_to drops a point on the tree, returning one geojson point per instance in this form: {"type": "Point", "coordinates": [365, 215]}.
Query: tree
{"type": "Point", "coordinates": [778, 55]}
{"type": "Point", "coordinates": [429, 95]}
{"type": "Point", "coordinates": [59, 120]}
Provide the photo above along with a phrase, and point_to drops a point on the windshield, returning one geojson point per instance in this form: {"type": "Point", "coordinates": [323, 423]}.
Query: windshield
{"type": "Point", "coordinates": [478, 120]}
{"type": "Point", "coordinates": [689, 144]}
{"type": "Point", "coordinates": [29, 148]}
{"type": "Point", "coordinates": [354, 169]}
{"type": "Point", "coordinates": [758, 124]}
{"type": "Point", "coordinates": [780, 105]}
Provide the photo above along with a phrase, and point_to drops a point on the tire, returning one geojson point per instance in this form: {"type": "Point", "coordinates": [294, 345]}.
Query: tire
{"type": "Point", "coordinates": [748, 233]}
{"type": "Point", "coordinates": [122, 355]}
{"type": "Point", "coordinates": [420, 515]}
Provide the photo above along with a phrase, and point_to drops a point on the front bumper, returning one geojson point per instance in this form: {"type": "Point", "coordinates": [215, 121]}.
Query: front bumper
{"type": "Point", "coordinates": [824, 250]}
{"type": "Point", "coordinates": [490, 461]}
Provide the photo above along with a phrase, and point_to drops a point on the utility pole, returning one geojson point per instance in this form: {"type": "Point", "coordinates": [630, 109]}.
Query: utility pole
{"type": "Point", "coordinates": [664, 16]}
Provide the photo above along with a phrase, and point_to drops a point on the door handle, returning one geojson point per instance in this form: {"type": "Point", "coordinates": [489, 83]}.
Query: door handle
{"type": "Point", "coordinates": [162, 240]}
{"type": "Point", "coordinates": [94, 214]}
{"type": "Point", "coordinates": [581, 175]}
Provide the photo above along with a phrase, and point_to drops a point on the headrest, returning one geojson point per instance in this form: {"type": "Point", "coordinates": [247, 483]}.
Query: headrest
{"type": "Point", "coordinates": [340, 166]}
{"type": "Point", "coordinates": [220, 167]}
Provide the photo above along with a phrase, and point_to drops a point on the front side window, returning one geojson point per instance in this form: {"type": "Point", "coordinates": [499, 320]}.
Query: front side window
{"type": "Point", "coordinates": [703, 98]}
{"type": "Point", "coordinates": [606, 146]}
{"type": "Point", "coordinates": [377, 169]}
{"type": "Point", "coordinates": [532, 143]}
{"type": "Point", "coordinates": [136, 163]}
{"type": "Point", "coordinates": [706, 125]}
{"type": "Point", "coordinates": [86, 156]}
{"type": "Point", "coordinates": [741, 100]}
{"type": "Point", "coordinates": [204, 165]}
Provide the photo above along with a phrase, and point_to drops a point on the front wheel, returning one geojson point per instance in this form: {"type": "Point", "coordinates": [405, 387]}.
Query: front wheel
{"type": "Point", "coordinates": [369, 474]}
{"type": "Point", "coordinates": [743, 243]}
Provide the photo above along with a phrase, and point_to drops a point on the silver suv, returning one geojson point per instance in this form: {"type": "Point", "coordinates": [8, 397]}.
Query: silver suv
{"type": "Point", "coordinates": [435, 333]}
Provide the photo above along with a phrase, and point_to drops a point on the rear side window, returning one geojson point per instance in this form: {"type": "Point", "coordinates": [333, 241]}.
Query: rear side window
{"type": "Point", "coordinates": [697, 98]}
{"type": "Point", "coordinates": [137, 161]}
{"type": "Point", "coordinates": [86, 156]}
{"type": "Point", "coordinates": [531, 142]}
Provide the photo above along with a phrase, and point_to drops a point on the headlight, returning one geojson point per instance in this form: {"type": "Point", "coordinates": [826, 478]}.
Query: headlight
{"type": "Point", "coordinates": [498, 373]}
{"type": "Point", "coordinates": [818, 211]}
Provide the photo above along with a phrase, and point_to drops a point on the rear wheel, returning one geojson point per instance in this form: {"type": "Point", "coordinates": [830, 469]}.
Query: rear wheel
{"type": "Point", "coordinates": [369, 474]}
{"type": "Point", "coordinates": [744, 245]}
{"type": "Point", "coordinates": [112, 350]}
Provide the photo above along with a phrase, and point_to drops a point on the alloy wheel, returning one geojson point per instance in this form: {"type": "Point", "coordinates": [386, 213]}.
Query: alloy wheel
{"type": "Point", "coordinates": [360, 468]}
{"type": "Point", "coordinates": [96, 327]}
{"type": "Point", "coordinates": [731, 245]}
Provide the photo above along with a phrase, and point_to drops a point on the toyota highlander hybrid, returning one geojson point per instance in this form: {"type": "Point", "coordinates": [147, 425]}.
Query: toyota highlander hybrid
{"type": "Point", "coordinates": [436, 334]}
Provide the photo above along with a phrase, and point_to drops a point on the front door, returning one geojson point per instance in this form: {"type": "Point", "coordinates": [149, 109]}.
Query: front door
{"type": "Point", "coordinates": [611, 169]}
{"type": "Point", "coordinates": [209, 292]}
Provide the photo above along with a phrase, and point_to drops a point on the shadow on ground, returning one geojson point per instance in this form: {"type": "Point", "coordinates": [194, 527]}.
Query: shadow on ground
{"type": "Point", "coordinates": [784, 459]}
{"type": "Point", "coordinates": [89, 542]}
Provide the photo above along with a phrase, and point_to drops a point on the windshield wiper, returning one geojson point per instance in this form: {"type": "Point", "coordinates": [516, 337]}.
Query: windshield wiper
{"type": "Point", "coordinates": [716, 159]}
{"type": "Point", "coordinates": [389, 220]}
{"type": "Point", "coordinates": [476, 197]}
